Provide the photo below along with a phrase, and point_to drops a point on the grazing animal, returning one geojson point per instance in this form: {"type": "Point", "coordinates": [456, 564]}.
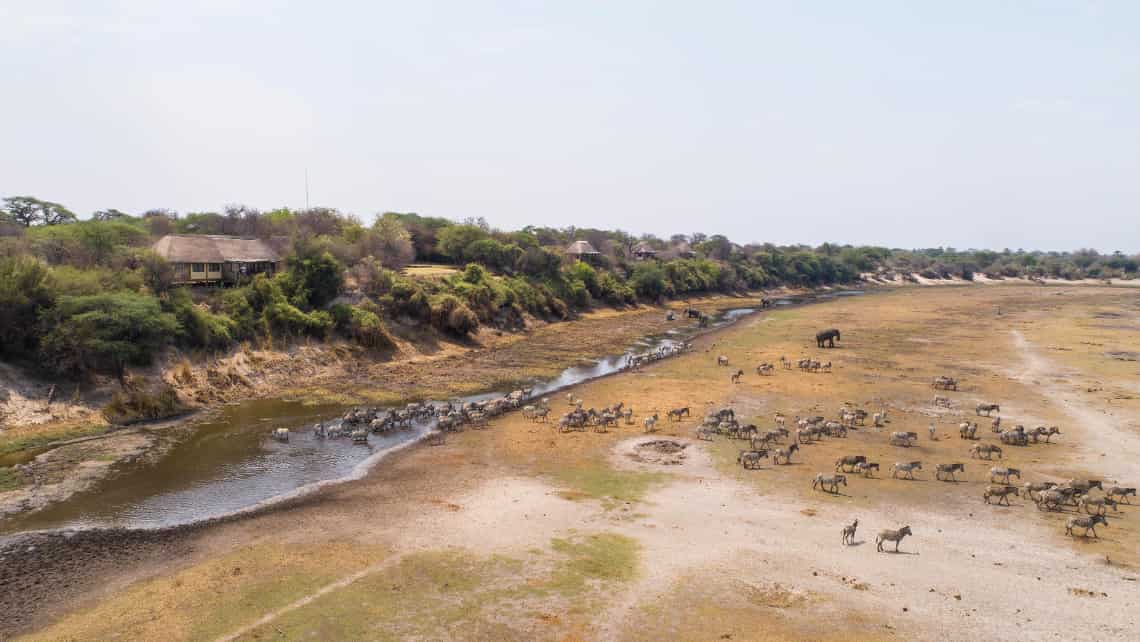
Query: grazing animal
{"type": "Point", "coordinates": [737, 375]}
{"type": "Point", "coordinates": [849, 461]}
{"type": "Point", "coordinates": [828, 337]}
{"type": "Point", "coordinates": [987, 408]}
{"type": "Point", "coordinates": [891, 536]}
{"type": "Point", "coordinates": [705, 433]}
{"type": "Point", "coordinates": [1001, 492]}
{"type": "Point", "coordinates": [722, 360]}
{"type": "Point", "coordinates": [1087, 523]}
{"type": "Point", "coordinates": [905, 467]}
{"type": "Point", "coordinates": [1122, 493]}
{"type": "Point", "coordinates": [751, 458]}
{"type": "Point", "coordinates": [1085, 485]}
{"type": "Point", "coordinates": [1033, 488]}
{"type": "Point", "coordinates": [650, 423]}
{"type": "Point", "coordinates": [995, 425]}
{"type": "Point", "coordinates": [966, 430]}
{"type": "Point", "coordinates": [849, 532]}
{"type": "Point", "coordinates": [941, 402]}
{"type": "Point", "coordinates": [281, 434]}
{"type": "Point", "coordinates": [903, 438]}
{"type": "Point", "coordinates": [829, 481]}
{"type": "Point", "coordinates": [878, 418]}
{"type": "Point", "coordinates": [989, 450]}
{"type": "Point", "coordinates": [784, 453]}
{"type": "Point", "coordinates": [1004, 473]}
{"type": "Point", "coordinates": [944, 383]}
{"type": "Point", "coordinates": [866, 468]}
{"type": "Point", "coordinates": [1098, 502]}
{"type": "Point", "coordinates": [1041, 431]}
{"type": "Point", "coordinates": [949, 470]}
{"type": "Point", "coordinates": [676, 413]}
{"type": "Point", "coordinates": [765, 369]}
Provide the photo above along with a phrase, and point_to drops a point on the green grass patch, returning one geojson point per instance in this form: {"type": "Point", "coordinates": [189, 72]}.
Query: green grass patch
{"type": "Point", "coordinates": [11, 444]}
{"type": "Point", "coordinates": [605, 557]}
{"type": "Point", "coordinates": [613, 487]}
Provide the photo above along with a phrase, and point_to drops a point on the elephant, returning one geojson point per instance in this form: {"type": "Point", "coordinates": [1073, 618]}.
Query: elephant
{"type": "Point", "coordinates": [827, 336]}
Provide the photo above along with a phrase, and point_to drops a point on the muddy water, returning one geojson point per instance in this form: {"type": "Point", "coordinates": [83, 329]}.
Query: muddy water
{"type": "Point", "coordinates": [229, 462]}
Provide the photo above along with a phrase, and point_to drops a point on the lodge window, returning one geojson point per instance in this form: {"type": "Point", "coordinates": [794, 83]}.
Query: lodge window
{"type": "Point", "coordinates": [197, 267]}
{"type": "Point", "coordinates": [215, 267]}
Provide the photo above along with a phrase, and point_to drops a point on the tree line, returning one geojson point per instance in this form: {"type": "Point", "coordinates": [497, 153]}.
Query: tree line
{"type": "Point", "coordinates": [80, 297]}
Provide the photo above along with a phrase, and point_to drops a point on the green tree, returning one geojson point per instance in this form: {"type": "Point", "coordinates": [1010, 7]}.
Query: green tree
{"type": "Point", "coordinates": [454, 240]}
{"type": "Point", "coordinates": [25, 290]}
{"type": "Point", "coordinates": [29, 211]}
{"type": "Point", "coordinates": [104, 333]}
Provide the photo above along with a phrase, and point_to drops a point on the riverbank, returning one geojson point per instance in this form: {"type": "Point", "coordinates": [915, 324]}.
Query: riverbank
{"type": "Point", "coordinates": [520, 532]}
{"type": "Point", "coordinates": [333, 375]}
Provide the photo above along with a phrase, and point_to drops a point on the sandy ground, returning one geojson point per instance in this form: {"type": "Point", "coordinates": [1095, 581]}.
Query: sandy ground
{"type": "Point", "coordinates": [518, 532]}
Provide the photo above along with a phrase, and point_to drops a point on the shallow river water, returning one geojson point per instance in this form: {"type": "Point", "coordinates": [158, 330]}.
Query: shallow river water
{"type": "Point", "coordinates": [229, 463]}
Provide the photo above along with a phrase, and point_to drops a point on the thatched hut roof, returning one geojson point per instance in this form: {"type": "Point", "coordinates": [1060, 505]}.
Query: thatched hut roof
{"type": "Point", "coordinates": [208, 248]}
{"type": "Point", "coordinates": [644, 248]}
{"type": "Point", "coordinates": [579, 248]}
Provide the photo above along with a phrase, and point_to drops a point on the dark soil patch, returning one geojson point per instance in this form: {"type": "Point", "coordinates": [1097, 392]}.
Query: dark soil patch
{"type": "Point", "coordinates": [663, 452]}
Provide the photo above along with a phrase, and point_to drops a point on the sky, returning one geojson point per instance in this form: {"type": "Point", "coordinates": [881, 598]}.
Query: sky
{"type": "Point", "coordinates": [906, 124]}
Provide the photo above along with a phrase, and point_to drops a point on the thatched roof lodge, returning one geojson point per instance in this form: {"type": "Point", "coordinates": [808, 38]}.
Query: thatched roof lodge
{"type": "Point", "coordinates": [684, 250]}
{"type": "Point", "coordinates": [203, 258]}
{"type": "Point", "coordinates": [582, 249]}
{"type": "Point", "coordinates": [643, 251]}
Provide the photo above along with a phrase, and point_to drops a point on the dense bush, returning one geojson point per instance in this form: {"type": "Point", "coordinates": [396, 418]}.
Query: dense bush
{"type": "Point", "coordinates": [104, 332]}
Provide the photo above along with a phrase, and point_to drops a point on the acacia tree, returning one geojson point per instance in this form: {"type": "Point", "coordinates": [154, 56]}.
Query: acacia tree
{"type": "Point", "coordinates": [29, 211]}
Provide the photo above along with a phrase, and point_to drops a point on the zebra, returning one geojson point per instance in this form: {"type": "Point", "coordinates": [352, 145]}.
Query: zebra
{"type": "Point", "coordinates": [1122, 493]}
{"type": "Point", "coordinates": [1085, 485]}
{"type": "Point", "coordinates": [1099, 502]}
{"type": "Point", "coordinates": [676, 413]}
{"type": "Point", "coordinates": [1001, 492]}
{"type": "Point", "coordinates": [966, 430]}
{"type": "Point", "coordinates": [722, 360]}
{"type": "Point", "coordinates": [989, 450]}
{"type": "Point", "coordinates": [907, 468]}
{"type": "Point", "coordinates": [866, 467]}
{"type": "Point", "coordinates": [737, 375]}
{"type": "Point", "coordinates": [888, 535]}
{"type": "Point", "coordinates": [651, 423]}
{"type": "Point", "coordinates": [1004, 473]}
{"type": "Point", "coordinates": [784, 453]}
{"type": "Point", "coordinates": [849, 532]}
{"type": "Point", "coordinates": [849, 461]}
{"type": "Point", "coordinates": [949, 470]}
{"type": "Point", "coordinates": [1033, 488]}
{"type": "Point", "coordinates": [832, 481]}
{"type": "Point", "coordinates": [1041, 431]}
{"type": "Point", "coordinates": [903, 438]}
{"type": "Point", "coordinates": [1087, 523]}
{"type": "Point", "coordinates": [986, 408]}
{"type": "Point", "coordinates": [751, 458]}
{"type": "Point", "coordinates": [281, 434]}
{"type": "Point", "coordinates": [995, 425]}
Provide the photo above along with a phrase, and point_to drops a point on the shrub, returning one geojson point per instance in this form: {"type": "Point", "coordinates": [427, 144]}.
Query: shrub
{"type": "Point", "coordinates": [104, 333]}
{"type": "Point", "coordinates": [130, 406]}
{"type": "Point", "coordinates": [449, 314]}
{"type": "Point", "coordinates": [25, 291]}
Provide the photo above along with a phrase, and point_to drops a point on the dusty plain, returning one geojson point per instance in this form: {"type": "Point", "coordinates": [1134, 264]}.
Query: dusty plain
{"type": "Point", "coordinates": [520, 532]}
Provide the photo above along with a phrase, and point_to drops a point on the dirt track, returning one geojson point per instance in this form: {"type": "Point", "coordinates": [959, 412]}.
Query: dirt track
{"type": "Point", "coordinates": [517, 532]}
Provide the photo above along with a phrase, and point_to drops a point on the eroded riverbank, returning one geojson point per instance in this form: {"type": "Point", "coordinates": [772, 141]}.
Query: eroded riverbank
{"type": "Point", "coordinates": [222, 462]}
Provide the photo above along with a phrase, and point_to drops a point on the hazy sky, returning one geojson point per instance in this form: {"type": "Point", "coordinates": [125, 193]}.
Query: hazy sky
{"type": "Point", "coordinates": [971, 124]}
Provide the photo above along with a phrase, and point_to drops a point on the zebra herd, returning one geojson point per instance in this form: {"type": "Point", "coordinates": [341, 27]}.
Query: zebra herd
{"type": "Point", "coordinates": [634, 361]}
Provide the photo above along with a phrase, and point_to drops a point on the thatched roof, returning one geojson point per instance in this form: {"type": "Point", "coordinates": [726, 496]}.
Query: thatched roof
{"type": "Point", "coordinates": [644, 248]}
{"type": "Point", "coordinates": [578, 248]}
{"type": "Point", "coordinates": [203, 248]}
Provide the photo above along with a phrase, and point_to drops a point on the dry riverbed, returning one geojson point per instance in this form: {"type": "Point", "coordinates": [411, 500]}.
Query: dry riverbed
{"type": "Point", "coordinates": [518, 532]}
